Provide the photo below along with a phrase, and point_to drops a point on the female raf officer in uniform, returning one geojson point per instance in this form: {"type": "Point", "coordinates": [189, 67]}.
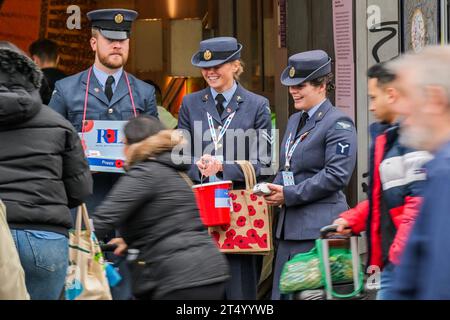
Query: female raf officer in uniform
{"type": "Point", "coordinates": [211, 118]}
{"type": "Point", "coordinates": [317, 159]}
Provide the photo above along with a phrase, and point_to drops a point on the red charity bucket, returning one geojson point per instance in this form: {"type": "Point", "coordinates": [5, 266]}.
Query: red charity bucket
{"type": "Point", "coordinates": [214, 202]}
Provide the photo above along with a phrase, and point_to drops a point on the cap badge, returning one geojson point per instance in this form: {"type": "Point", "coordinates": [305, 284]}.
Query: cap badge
{"type": "Point", "coordinates": [292, 72]}
{"type": "Point", "coordinates": [207, 55]}
{"type": "Point", "coordinates": [118, 18]}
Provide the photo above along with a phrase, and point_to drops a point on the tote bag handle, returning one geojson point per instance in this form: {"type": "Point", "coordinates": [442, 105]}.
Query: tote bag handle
{"type": "Point", "coordinates": [82, 216]}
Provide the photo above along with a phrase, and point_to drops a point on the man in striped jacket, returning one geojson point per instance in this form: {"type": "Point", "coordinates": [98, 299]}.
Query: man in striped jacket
{"type": "Point", "coordinates": [396, 180]}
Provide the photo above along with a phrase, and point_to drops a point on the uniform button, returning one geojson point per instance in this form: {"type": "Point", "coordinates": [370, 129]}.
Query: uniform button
{"type": "Point", "coordinates": [110, 111]}
{"type": "Point", "coordinates": [220, 128]}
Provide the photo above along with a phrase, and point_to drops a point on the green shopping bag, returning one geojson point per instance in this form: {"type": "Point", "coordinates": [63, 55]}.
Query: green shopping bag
{"type": "Point", "coordinates": [305, 271]}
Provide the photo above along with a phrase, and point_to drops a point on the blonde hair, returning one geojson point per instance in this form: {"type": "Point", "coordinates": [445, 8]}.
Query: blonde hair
{"type": "Point", "coordinates": [94, 33]}
{"type": "Point", "coordinates": [431, 67]}
{"type": "Point", "coordinates": [240, 70]}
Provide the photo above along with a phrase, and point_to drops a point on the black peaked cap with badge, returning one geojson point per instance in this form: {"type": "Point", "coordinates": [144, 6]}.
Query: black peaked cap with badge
{"type": "Point", "coordinates": [113, 24]}
{"type": "Point", "coordinates": [306, 66]}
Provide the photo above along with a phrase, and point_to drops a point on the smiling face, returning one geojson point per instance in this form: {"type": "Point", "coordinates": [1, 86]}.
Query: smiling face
{"type": "Point", "coordinates": [221, 78]}
{"type": "Point", "coordinates": [111, 54]}
{"type": "Point", "coordinates": [306, 96]}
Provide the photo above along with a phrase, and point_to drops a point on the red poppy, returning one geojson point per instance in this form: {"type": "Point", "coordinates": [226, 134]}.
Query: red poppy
{"type": "Point", "coordinates": [225, 227]}
{"type": "Point", "coordinates": [119, 164]}
{"type": "Point", "coordinates": [230, 234]}
{"type": "Point", "coordinates": [88, 125]}
{"type": "Point", "coordinates": [228, 244]}
{"type": "Point", "coordinates": [262, 243]}
{"type": "Point", "coordinates": [242, 242]}
{"type": "Point", "coordinates": [260, 203]}
{"type": "Point", "coordinates": [251, 211]}
{"type": "Point", "coordinates": [233, 196]}
{"type": "Point", "coordinates": [253, 197]}
{"type": "Point", "coordinates": [236, 207]}
{"type": "Point", "coordinates": [111, 136]}
{"type": "Point", "coordinates": [258, 224]}
{"type": "Point", "coordinates": [241, 221]}
{"type": "Point", "coordinates": [252, 236]}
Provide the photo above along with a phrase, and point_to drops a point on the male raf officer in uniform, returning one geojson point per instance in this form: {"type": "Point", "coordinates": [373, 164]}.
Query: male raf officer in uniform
{"type": "Point", "coordinates": [112, 94]}
{"type": "Point", "coordinates": [105, 92]}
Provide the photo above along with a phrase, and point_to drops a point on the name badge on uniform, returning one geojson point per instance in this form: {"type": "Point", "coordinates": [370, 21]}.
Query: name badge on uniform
{"type": "Point", "coordinates": [288, 178]}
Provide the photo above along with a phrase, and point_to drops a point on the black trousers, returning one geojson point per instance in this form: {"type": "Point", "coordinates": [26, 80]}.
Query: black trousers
{"type": "Point", "coordinates": [245, 271]}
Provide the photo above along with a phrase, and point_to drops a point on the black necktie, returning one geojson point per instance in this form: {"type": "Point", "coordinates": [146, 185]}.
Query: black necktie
{"type": "Point", "coordinates": [219, 106]}
{"type": "Point", "coordinates": [305, 117]}
{"type": "Point", "coordinates": [108, 87]}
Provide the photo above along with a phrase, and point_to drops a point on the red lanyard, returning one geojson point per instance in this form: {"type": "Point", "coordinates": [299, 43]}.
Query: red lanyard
{"type": "Point", "coordinates": [86, 100]}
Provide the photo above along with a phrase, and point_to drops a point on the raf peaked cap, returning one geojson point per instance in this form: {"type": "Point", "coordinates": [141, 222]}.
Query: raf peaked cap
{"type": "Point", "coordinates": [114, 24]}
{"type": "Point", "coordinates": [216, 51]}
{"type": "Point", "coordinates": [306, 66]}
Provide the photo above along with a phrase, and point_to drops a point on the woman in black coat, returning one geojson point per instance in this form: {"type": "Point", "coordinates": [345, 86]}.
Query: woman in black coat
{"type": "Point", "coordinates": [155, 211]}
{"type": "Point", "coordinates": [43, 173]}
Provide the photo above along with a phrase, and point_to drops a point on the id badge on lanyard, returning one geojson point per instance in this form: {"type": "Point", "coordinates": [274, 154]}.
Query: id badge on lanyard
{"type": "Point", "coordinates": [288, 175]}
{"type": "Point", "coordinates": [288, 178]}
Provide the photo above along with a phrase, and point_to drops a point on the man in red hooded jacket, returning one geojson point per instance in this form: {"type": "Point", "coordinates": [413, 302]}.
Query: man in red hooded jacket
{"type": "Point", "coordinates": [396, 180]}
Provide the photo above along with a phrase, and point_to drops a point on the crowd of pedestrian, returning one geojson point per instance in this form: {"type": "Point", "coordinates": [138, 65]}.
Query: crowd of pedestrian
{"type": "Point", "coordinates": [151, 208]}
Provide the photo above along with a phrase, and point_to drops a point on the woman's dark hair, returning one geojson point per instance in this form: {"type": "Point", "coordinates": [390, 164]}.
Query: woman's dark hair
{"type": "Point", "coordinates": [326, 79]}
{"type": "Point", "coordinates": [142, 127]}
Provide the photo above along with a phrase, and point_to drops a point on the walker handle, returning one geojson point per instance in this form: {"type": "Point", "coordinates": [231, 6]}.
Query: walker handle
{"type": "Point", "coordinates": [325, 231]}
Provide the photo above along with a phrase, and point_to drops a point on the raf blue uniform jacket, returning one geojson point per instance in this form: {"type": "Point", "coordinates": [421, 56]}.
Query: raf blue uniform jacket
{"type": "Point", "coordinates": [69, 94]}
{"type": "Point", "coordinates": [252, 112]}
{"type": "Point", "coordinates": [322, 165]}
{"type": "Point", "coordinates": [68, 99]}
